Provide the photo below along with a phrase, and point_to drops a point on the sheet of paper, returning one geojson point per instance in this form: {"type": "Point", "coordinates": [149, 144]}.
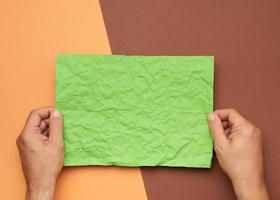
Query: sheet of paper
{"type": "Point", "coordinates": [135, 110]}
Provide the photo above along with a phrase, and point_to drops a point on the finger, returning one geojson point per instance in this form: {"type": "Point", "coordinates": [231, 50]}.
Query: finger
{"type": "Point", "coordinates": [217, 130]}
{"type": "Point", "coordinates": [231, 115]}
{"type": "Point", "coordinates": [46, 133]}
{"type": "Point", "coordinates": [225, 124]}
{"type": "Point", "coordinates": [36, 116]}
{"type": "Point", "coordinates": [56, 127]}
{"type": "Point", "coordinates": [44, 125]}
{"type": "Point", "coordinates": [227, 131]}
{"type": "Point", "coordinates": [47, 120]}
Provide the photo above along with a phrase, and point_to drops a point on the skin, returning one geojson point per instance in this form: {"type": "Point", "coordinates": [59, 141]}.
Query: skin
{"type": "Point", "coordinates": [238, 146]}
{"type": "Point", "coordinates": [237, 143]}
{"type": "Point", "coordinates": [41, 151]}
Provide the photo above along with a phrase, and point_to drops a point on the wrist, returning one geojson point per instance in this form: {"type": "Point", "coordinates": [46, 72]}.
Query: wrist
{"type": "Point", "coordinates": [250, 188]}
{"type": "Point", "coordinates": [40, 195]}
{"type": "Point", "coordinates": [43, 190]}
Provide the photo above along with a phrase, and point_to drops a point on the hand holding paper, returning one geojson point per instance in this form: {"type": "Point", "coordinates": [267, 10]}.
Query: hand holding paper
{"type": "Point", "coordinates": [41, 151]}
{"type": "Point", "coordinates": [238, 145]}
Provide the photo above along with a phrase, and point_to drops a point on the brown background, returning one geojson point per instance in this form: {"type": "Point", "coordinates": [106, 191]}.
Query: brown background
{"type": "Point", "coordinates": [244, 38]}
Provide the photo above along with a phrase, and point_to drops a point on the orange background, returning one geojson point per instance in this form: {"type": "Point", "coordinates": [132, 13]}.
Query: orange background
{"type": "Point", "coordinates": [31, 34]}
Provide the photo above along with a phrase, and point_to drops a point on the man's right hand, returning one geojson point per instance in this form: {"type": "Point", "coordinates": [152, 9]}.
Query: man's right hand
{"type": "Point", "coordinates": [238, 146]}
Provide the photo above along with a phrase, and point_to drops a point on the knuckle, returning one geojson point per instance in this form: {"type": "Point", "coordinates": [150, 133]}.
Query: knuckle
{"type": "Point", "coordinates": [253, 130]}
{"type": "Point", "coordinates": [233, 110]}
{"type": "Point", "coordinates": [257, 130]}
{"type": "Point", "coordinates": [18, 141]}
{"type": "Point", "coordinates": [250, 129]}
{"type": "Point", "coordinates": [23, 139]}
{"type": "Point", "coordinates": [32, 111]}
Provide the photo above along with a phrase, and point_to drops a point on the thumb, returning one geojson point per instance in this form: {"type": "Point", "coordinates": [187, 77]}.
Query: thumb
{"type": "Point", "coordinates": [216, 128]}
{"type": "Point", "coordinates": [56, 127]}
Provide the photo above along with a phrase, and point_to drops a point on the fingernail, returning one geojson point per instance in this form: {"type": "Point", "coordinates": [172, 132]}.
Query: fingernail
{"type": "Point", "coordinates": [211, 117]}
{"type": "Point", "coordinates": [57, 114]}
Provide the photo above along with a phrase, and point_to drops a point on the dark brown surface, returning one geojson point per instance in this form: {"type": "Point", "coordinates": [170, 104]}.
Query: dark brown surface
{"type": "Point", "coordinates": [244, 37]}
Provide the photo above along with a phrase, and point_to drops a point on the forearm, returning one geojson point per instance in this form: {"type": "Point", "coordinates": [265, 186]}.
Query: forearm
{"type": "Point", "coordinates": [250, 190]}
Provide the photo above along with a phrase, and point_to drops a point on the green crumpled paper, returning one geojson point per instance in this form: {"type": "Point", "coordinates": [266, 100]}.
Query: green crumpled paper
{"type": "Point", "coordinates": [135, 110]}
